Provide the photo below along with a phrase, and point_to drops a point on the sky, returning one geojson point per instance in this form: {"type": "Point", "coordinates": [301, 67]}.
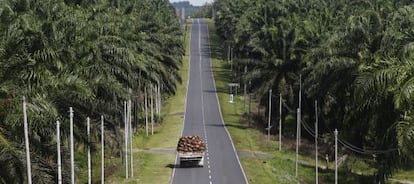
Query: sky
{"type": "Point", "coordinates": [195, 2]}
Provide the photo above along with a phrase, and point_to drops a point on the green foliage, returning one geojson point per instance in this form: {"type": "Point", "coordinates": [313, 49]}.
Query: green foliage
{"type": "Point", "coordinates": [80, 54]}
{"type": "Point", "coordinates": [355, 58]}
{"type": "Point", "coordinates": [190, 10]}
{"type": "Point", "coordinates": [206, 11]}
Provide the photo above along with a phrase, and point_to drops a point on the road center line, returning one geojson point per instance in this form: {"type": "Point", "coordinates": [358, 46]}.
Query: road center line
{"type": "Point", "coordinates": [185, 108]}
{"type": "Point", "coordinates": [221, 114]}
{"type": "Point", "coordinates": [202, 99]}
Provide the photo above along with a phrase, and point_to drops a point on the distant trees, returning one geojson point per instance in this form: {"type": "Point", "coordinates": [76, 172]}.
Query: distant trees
{"type": "Point", "coordinates": [190, 10]}
{"type": "Point", "coordinates": [80, 54]}
{"type": "Point", "coordinates": [355, 58]}
{"type": "Point", "coordinates": [205, 11]}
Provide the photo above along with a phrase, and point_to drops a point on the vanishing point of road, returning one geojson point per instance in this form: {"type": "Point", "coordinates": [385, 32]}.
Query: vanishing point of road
{"type": "Point", "coordinates": [203, 117]}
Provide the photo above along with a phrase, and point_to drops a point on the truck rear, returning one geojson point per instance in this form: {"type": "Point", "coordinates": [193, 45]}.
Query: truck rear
{"type": "Point", "coordinates": [191, 150]}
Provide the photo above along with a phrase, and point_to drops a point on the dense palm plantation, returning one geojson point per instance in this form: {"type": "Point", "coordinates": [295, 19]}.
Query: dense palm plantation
{"type": "Point", "coordinates": [355, 57]}
{"type": "Point", "coordinates": [85, 54]}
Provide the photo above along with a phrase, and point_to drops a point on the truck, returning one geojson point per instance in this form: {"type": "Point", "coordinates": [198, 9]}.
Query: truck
{"type": "Point", "coordinates": [191, 150]}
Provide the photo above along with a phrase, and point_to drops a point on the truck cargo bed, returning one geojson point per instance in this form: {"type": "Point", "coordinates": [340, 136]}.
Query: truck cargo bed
{"type": "Point", "coordinates": [191, 150]}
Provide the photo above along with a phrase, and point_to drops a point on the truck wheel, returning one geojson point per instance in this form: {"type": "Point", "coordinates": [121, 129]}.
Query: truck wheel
{"type": "Point", "coordinates": [201, 162]}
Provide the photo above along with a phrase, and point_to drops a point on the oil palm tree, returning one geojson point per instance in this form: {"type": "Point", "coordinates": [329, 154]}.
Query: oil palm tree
{"type": "Point", "coordinates": [59, 54]}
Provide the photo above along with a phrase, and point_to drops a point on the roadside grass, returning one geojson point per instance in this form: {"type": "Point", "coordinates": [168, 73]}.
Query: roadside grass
{"type": "Point", "coordinates": [280, 168]}
{"type": "Point", "coordinates": [112, 164]}
{"type": "Point", "coordinates": [157, 167]}
{"type": "Point", "coordinates": [150, 168]}
{"type": "Point", "coordinates": [405, 175]}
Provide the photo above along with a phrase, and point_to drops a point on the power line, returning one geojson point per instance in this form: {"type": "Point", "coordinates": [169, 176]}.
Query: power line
{"type": "Point", "coordinates": [364, 151]}
{"type": "Point", "coordinates": [288, 108]}
{"type": "Point", "coordinates": [354, 150]}
{"type": "Point", "coordinates": [349, 145]}
{"type": "Point", "coordinates": [308, 129]}
{"type": "Point", "coordinates": [346, 144]}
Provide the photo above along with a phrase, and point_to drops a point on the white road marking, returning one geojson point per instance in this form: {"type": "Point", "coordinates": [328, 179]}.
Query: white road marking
{"type": "Point", "coordinates": [185, 108]}
{"type": "Point", "coordinates": [221, 114]}
{"type": "Point", "coordinates": [202, 100]}
{"type": "Point", "coordinates": [199, 38]}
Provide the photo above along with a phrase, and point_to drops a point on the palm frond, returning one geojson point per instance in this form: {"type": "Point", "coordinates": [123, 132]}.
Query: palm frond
{"type": "Point", "coordinates": [405, 136]}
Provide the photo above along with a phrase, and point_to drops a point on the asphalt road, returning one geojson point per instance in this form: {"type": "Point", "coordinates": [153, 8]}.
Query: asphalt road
{"type": "Point", "coordinates": [203, 117]}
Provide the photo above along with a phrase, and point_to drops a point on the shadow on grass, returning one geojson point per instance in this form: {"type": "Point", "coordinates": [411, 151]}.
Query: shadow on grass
{"type": "Point", "coordinates": [173, 166]}
{"type": "Point", "coordinates": [216, 50]}
{"type": "Point", "coordinates": [216, 91]}
{"type": "Point", "coordinates": [230, 125]}
{"type": "Point", "coordinates": [344, 176]}
{"type": "Point", "coordinates": [109, 171]}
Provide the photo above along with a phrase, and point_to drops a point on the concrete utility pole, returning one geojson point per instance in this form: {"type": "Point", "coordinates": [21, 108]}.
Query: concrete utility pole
{"type": "Point", "coordinates": [228, 54]}
{"type": "Point", "coordinates": [250, 102]}
{"type": "Point", "coordinates": [316, 141]}
{"type": "Point", "coordinates": [280, 122]}
{"type": "Point", "coordinates": [231, 59]}
{"type": "Point", "coordinates": [88, 130]}
{"type": "Point", "coordinates": [270, 113]}
{"type": "Point", "coordinates": [336, 155]}
{"type": "Point", "coordinates": [126, 139]}
{"type": "Point", "coordinates": [72, 155]}
{"type": "Point", "coordinates": [146, 110]}
{"type": "Point", "coordinates": [159, 100]}
{"type": "Point", "coordinates": [245, 90]}
{"type": "Point", "coordinates": [156, 99]}
{"type": "Point", "coordinates": [183, 15]}
{"type": "Point", "coordinates": [300, 107]}
{"type": "Point", "coordinates": [59, 160]}
{"type": "Point", "coordinates": [297, 142]}
{"type": "Point", "coordinates": [103, 151]}
{"type": "Point", "coordinates": [152, 110]}
{"type": "Point", "coordinates": [130, 137]}
{"type": "Point", "coordinates": [26, 142]}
